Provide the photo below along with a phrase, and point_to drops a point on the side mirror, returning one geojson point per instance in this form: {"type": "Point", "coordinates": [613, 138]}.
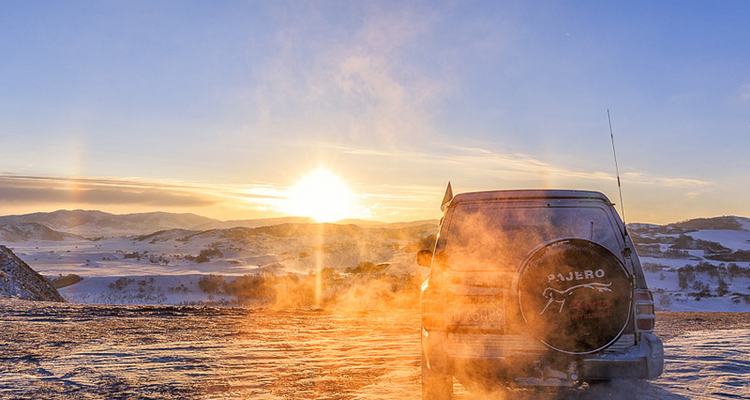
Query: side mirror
{"type": "Point", "coordinates": [424, 258]}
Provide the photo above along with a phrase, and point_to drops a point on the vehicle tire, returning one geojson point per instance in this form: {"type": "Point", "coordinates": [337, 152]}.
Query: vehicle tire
{"type": "Point", "coordinates": [575, 296]}
{"type": "Point", "coordinates": [435, 386]}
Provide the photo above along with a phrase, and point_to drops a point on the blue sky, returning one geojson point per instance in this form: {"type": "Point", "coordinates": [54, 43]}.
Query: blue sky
{"type": "Point", "coordinates": [218, 108]}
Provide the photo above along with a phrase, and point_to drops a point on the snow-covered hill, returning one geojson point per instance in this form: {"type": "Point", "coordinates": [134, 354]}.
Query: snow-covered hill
{"type": "Point", "coordinates": [165, 267]}
{"type": "Point", "coordinates": [253, 223]}
{"type": "Point", "coordinates": [92, 223]}
{"type": "Point", "coordinates": [26, 231]}
{"type": "Point", "coordinates": [697, 265]}
{"type": "Point", "coordinates": [701, 264]}
{"type": "Point", "coordinates": [716, 223]}
{"type": "Point", "coordinates": [98, 224]}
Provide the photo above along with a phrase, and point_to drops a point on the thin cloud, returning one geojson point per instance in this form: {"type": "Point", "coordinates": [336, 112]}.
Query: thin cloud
{"type": "Point", "coordinates": [75, 192]}
{"type": "Point", "coordinates": [372, 74]}
{"type": "Point", "coordinates": [95, 192]}
{"type": "Point", "coordinates": [745, 95]}
{"type": "Point", "coordinates": [477, 161]}
{"type": "Point", "coordinates": [361, 87]}
{"type": "Point", "coordinates": [684, 183]}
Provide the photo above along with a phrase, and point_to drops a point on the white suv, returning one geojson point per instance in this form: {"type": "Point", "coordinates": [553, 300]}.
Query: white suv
{"type": "Point", "coordinates": [534, 288]}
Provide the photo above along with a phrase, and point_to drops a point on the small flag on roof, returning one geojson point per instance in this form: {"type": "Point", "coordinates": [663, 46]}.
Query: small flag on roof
{"type": "Point", "coordinates": [447, 197]}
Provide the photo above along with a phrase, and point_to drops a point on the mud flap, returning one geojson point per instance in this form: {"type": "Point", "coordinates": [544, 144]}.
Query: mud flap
{"type": "Point", "coordinates": [655, 361]}
{"type": "Point", "coordinates": [437, 383]}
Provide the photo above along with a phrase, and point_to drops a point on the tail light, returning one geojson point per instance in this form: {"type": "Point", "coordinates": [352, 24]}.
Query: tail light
{"type": "Point", "coordinates": [644, 311]}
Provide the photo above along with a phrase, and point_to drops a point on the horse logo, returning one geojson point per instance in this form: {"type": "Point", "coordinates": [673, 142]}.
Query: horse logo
{"type": "Point", "coordinates": [558, 296]}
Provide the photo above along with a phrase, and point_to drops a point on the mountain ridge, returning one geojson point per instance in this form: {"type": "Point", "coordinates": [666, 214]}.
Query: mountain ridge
{"type": "Point", "coordinates": [96, 224]}
{"type": "Point", "coordinates": [65, 224]}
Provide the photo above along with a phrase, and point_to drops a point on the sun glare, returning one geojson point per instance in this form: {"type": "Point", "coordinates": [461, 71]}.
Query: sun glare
{"type": "Point", "coordinates": [322, 196]}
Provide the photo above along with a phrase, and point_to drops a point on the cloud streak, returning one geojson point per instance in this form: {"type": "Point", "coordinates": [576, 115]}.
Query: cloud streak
{"type": "Point", "coordinates": [22, 192]}
{"type": "Point", "coordinates": [94, 191]}
{"type": "Point", "coordinates": [471, 162]}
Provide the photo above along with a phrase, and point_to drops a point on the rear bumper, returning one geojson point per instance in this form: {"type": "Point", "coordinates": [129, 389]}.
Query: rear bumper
{"type": "Point", "coordinates": [504, 357]}
{"type": "Point", "coordinates": [643, 361]}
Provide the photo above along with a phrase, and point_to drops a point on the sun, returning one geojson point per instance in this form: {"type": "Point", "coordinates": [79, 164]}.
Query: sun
{"type": "Point", "coordinates": [322, 196]}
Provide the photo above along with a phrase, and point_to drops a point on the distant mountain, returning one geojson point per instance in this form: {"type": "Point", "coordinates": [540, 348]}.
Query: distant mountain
{"type": "Point", "coordinates": [387, 225]}
{"type": "Point", "coordinates": [253, 223]}
{"type": "Point", "coordinates": [92, 223]}
{"type": "Point", "coordinates": [398, 231]}
{"type": "Point", "coordinates": [25, 231]}
{"type": "Point", "coordinates": [65, 224]}
{"type": "Point", "coordinates": [257, 223]}
{"type": "Point", "coordinates": [19, 281]}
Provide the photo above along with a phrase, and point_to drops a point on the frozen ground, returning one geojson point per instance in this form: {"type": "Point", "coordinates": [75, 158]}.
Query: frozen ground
{"type": "Point", "coordinates": [74, 351]}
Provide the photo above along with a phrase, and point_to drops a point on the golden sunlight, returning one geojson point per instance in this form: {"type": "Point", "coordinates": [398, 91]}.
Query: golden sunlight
{"type": "Point", "coordinates": [322, 196]}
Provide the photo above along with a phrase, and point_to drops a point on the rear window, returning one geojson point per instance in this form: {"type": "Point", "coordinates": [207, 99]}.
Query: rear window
{"type": "Point", "coordinates": [494, 236]}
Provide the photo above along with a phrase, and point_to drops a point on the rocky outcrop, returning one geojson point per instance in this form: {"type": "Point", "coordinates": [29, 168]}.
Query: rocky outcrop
{"type": "Point", "coordinates": [19, 281]}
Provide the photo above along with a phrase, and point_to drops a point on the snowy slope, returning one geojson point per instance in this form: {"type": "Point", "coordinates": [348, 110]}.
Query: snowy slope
{"type": "Point", "coordinates": [25, 231]}
{"type": "Point", "coordinates": [92, 223]}
{"type": "Point", "coordinates": [174, 259]}
{"type": "Point", "coordinates": [19, 281]}
{"type": "Point", "coordinates": [668, 251]}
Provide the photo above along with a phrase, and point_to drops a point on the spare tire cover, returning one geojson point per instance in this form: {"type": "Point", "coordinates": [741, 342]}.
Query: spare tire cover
{"type": "Point", "coordinates": [575, 296]}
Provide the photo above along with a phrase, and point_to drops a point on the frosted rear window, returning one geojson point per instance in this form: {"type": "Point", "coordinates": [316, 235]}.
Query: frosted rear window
{"type": "Point", "coordinates": [487, 237]}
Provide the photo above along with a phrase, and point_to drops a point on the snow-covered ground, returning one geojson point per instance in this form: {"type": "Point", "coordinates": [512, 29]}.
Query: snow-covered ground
{"type": "Point", "coordinates": [707, 365]}
{"type": "Point", "coordinates": [165, 268]}
{"type": "Point", "coordinates": [71, 351]}
{"type": "Point", "coordinates": [664, 282]}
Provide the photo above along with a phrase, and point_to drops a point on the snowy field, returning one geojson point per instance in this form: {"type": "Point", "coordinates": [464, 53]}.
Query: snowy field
{"type": "Point", "coordinates": [55, 351]}
{"type": "Point", "coordinates": [164, 270]}
{"type": "Point", "coordinates": [665, 282]}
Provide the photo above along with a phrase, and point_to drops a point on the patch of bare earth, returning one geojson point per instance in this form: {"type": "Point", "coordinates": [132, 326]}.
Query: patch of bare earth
{"type": "Point", "coordinates": [670, 323]}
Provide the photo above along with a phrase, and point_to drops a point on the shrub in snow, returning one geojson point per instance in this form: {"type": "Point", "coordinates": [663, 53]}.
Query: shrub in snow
{"type": "Point", "coordinates": [723, 288]}
{"type": "Point", "coordinates": [739, 255]}
{"type": "Point", "coordinates": [121, 283]}
{"type": "Point", "coordinates": [685, 276]}
{"type": "Point", "coordinates": [62, 281]}
{"type": "Point", "coordinates": [673, 253]}
{"type": "Point", "coordinates": [653, 267]}
{"type": "Point", "coordinates": [665, 301]}
{"type": "Point", "coordinates": [212, 283]}
{"type": "Point", "coordinates": [735, 271]}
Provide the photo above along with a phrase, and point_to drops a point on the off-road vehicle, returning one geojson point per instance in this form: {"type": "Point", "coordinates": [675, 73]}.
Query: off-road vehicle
{"type": "Point", "coordinates": [537, 288]}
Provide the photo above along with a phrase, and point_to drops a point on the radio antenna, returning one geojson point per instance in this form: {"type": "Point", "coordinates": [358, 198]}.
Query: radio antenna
{"type": "Point", "coordinates": [617, 169]}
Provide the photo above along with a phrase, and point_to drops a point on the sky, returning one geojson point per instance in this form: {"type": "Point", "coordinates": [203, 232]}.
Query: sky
{"type": "Point", "coordinates": [231, 109]}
